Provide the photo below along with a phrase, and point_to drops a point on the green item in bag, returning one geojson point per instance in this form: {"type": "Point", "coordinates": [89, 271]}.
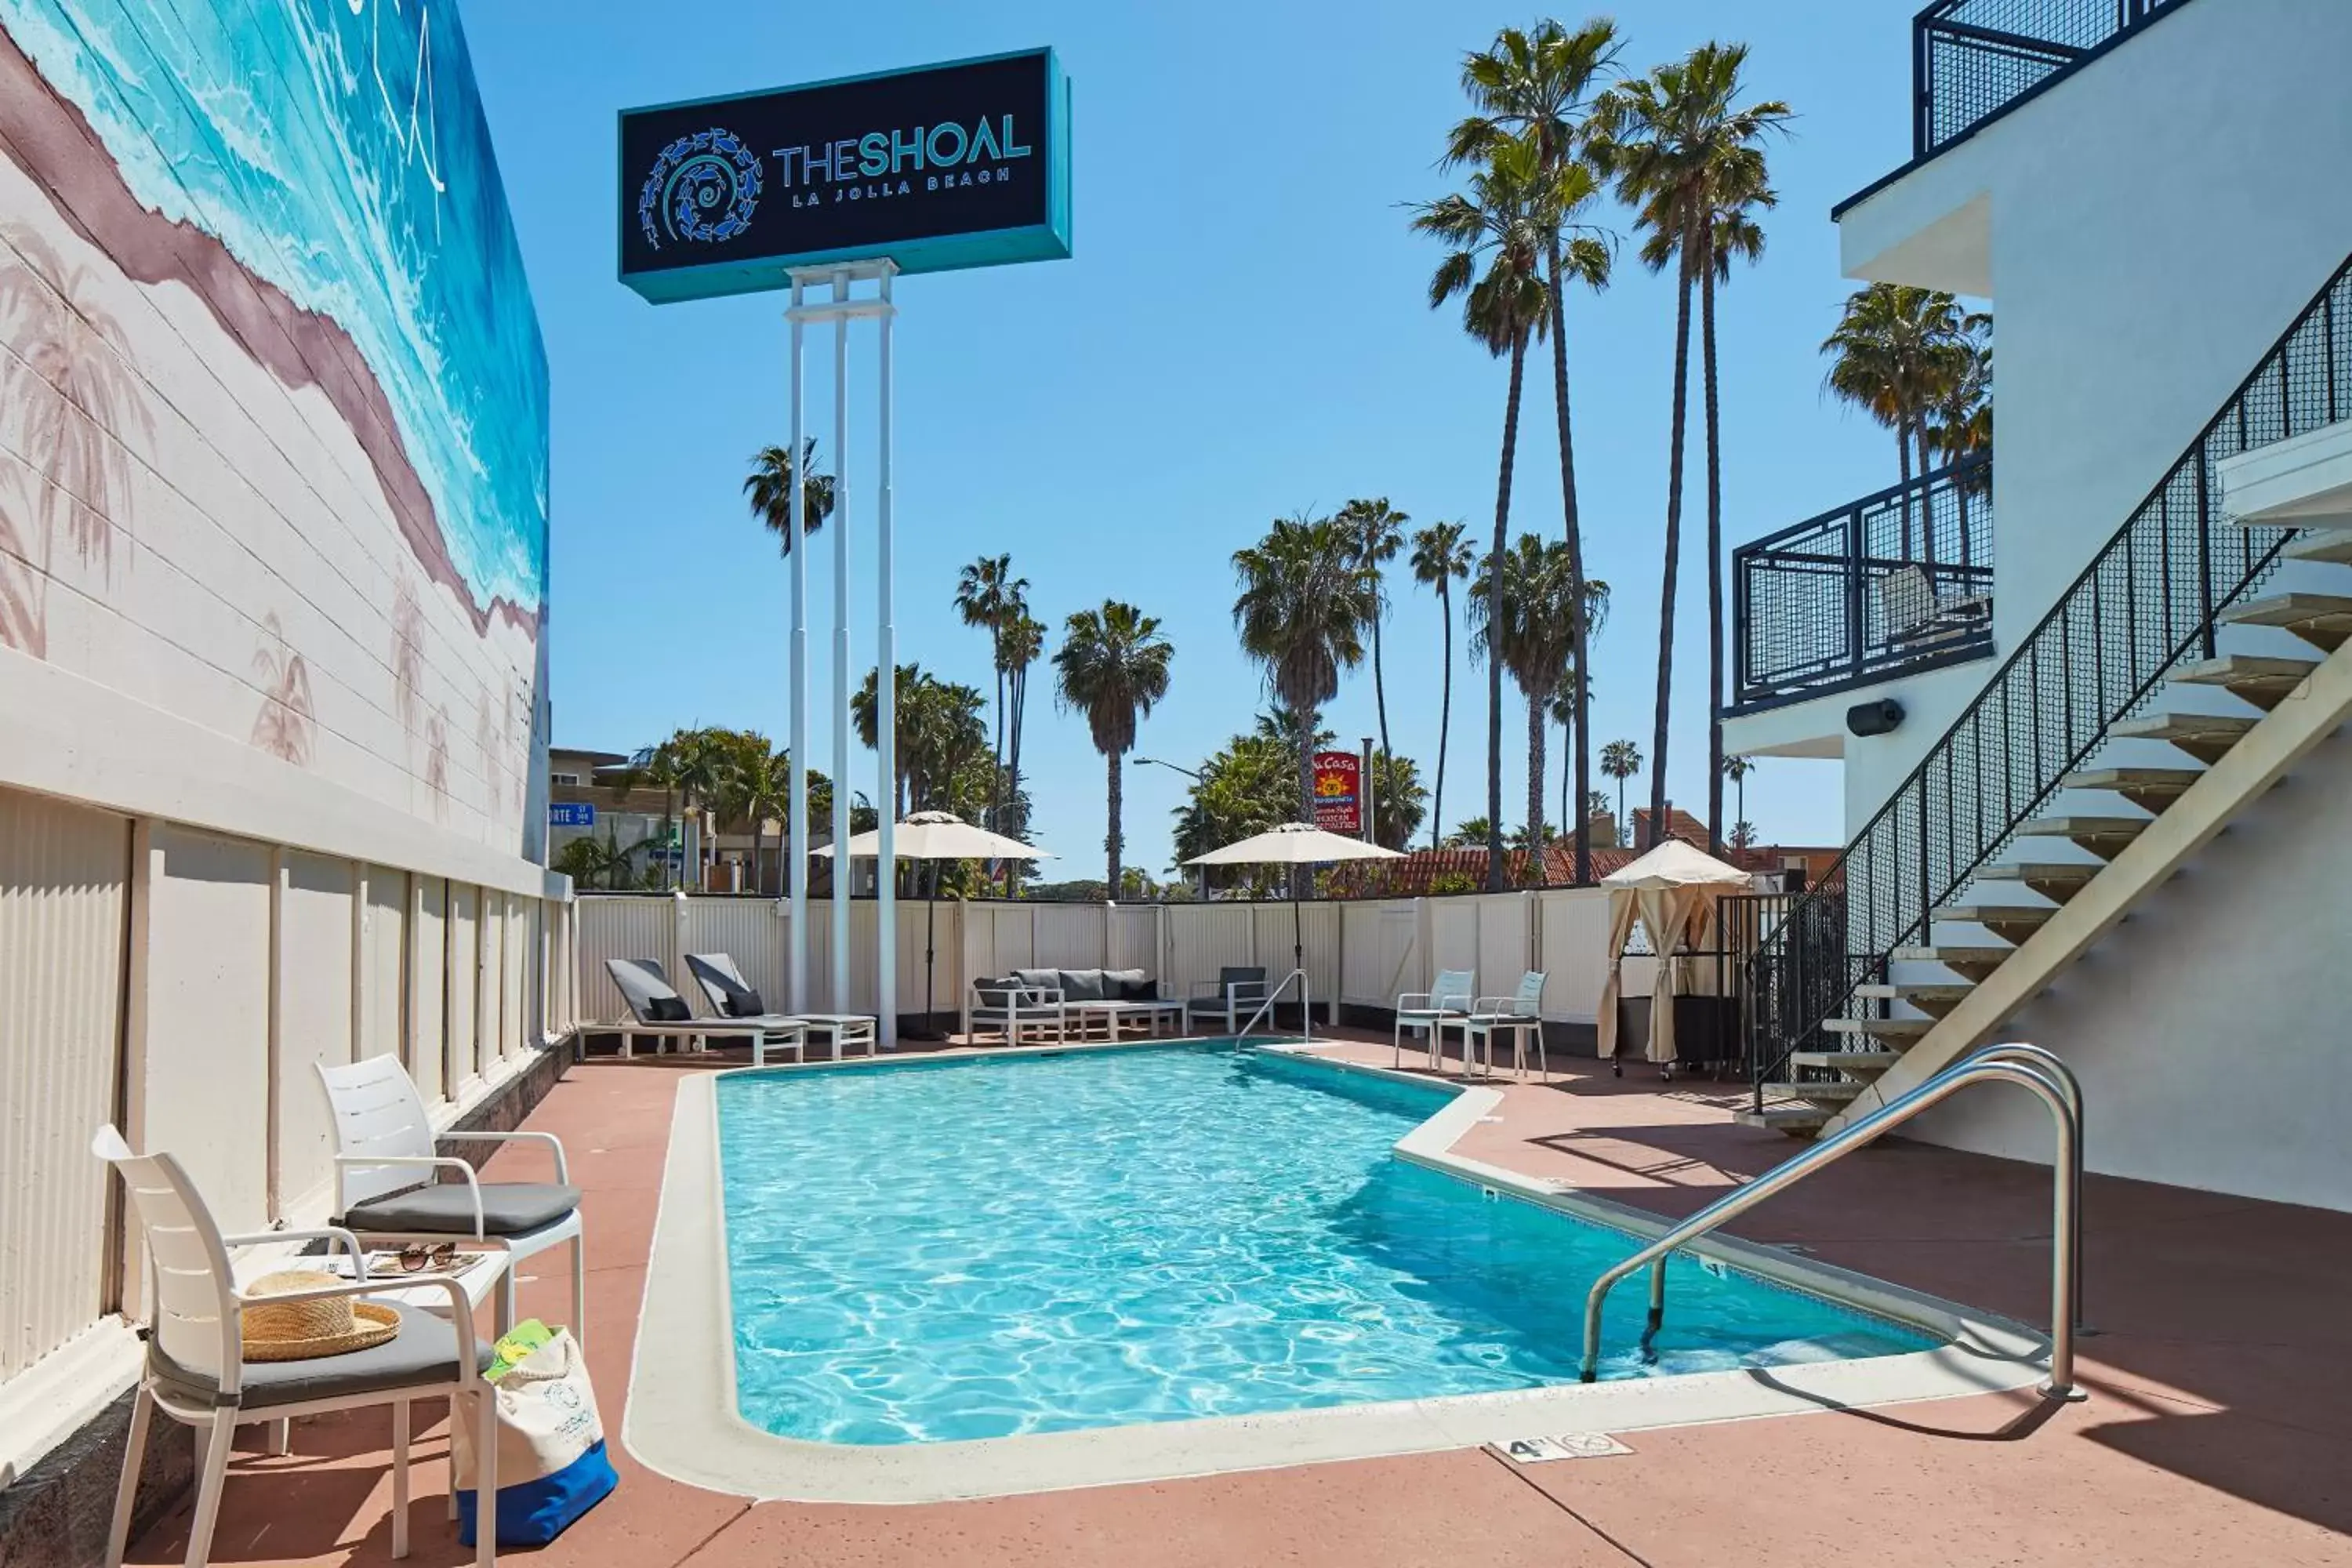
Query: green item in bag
{"type": "Point", "coordinates": [516, 1346]}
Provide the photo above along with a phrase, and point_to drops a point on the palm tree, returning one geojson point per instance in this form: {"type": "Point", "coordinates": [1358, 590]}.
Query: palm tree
{"type": "Point", "coordinates": [1500, 223]}
{"type": "Point", "coordinates": [1686, 155]}
{"type": "Point", "coordinates": [1379, 531]}
{"type": "Point", "coordinates": [761, 789]}
{"type": "Point", "coordinates": [987, 596]}
{"type": "Point", "coordinates": [1112, 665]}
{"type": "Point", "coordinates": [1440, 559]}
{"type": "Point", "coordinates": [1736, 770]}
{"type": "Point", "coordinates": [1960, 427]}
{"type": "Point", "coordinates": [1620, 760]}
{"type": "Point", "coordinates": [1024, 643]}
{"type": "Point", "coordinates": [705, 772]}
{"type": "Point", "coordinates": [1898, 351]}
{"type": "Point", "coordinates": [770, 487]}
{"type": "Point", "coordinates": [282, 728]}
{"type": "Point", "coordinates": [1306, 600]}
{"type": "Point", "coordinates": [1533, 635]}
{"type": "Point", "coordinates": [1534, 84]}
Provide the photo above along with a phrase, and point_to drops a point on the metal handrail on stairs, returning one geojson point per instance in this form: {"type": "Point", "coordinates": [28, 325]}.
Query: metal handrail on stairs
{"type": "Point", "coordinates": [1306, 1006]}
{"type": "Point", "coordinates": [2025, 1066]}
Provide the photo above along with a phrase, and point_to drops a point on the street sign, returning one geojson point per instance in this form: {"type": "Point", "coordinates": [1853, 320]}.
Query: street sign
{"type": "Point", "coordinates": [960, 165]}
{"type": "Point", "coordinates": [1338, 792]}
{"type": "Point", "coordinates": [570, 814]}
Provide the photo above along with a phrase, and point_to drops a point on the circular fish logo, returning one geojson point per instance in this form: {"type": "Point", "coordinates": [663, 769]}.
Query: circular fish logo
{"type": "Point", "coordinates": [703, 188]}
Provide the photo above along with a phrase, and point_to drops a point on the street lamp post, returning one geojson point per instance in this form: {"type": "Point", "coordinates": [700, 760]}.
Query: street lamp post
{"type": "Point", "coordinates": [1156, 762]}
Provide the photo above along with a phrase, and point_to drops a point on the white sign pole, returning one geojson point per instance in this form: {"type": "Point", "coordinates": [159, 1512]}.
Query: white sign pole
{"type": "Point", "coordinates": [796, 825]}
{"type": "Point", "coordinates": [841, 869]}
{"type": "Point", "coordinates": [885, 711]}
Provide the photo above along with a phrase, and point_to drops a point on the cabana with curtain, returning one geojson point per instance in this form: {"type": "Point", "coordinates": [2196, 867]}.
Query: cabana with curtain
{"type": "Point", "coordinates": [1672, 891]}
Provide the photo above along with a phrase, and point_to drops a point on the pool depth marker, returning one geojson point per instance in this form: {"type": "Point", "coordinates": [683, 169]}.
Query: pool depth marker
{"type": "Point", "coordinates": [842, 183]}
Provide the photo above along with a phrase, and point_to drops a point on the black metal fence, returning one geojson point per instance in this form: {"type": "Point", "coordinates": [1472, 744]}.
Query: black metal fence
{"type": "Point", "coordinates": [1902, 579]}
{"type": "Point", "coordinates": [2150, 600]}
{"type": "Point", "coordinates": [1975, 58]}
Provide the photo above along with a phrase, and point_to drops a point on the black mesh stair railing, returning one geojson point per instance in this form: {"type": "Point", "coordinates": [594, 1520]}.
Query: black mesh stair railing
{"type": "Point", "coordinates": [2150, 600]}
{"type": "Point", "coordinates": [1975, 58]}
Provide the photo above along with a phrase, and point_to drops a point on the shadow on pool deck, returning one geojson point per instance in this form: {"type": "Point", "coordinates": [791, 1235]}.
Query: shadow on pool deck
{"type": "Point", "coordinates": [2218, 1429]}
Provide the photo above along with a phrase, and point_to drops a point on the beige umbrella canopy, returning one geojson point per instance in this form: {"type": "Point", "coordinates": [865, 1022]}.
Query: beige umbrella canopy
{"type": "Point", "coordinates": [1294, 843]}
{"type": "Point", "coordinates": [938, 836]}
{"type": "Point", "coordinates": [1673, 890]}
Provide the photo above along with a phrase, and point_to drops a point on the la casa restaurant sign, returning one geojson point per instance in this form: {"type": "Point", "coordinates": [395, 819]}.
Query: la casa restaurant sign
{"type": "Point", "coordinates": [946, 166]}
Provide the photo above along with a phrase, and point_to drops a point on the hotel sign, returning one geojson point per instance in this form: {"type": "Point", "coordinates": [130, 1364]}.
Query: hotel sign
{"type": "Point", "coordinates": [1338, 792]}
{"type": "Point", "coordinates": [964, 164]}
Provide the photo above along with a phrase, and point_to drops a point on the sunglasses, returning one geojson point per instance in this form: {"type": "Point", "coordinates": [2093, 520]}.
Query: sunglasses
{"type": "Point", "coordinates": [418, 1256]}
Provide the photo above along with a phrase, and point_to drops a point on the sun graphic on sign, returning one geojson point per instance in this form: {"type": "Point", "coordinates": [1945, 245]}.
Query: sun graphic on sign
{"type": "Point", "coordinates": [703, 188]}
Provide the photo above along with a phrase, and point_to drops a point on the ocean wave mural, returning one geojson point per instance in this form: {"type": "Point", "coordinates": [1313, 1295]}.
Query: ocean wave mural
{"type": "Point", "coordinates": [273, 397]}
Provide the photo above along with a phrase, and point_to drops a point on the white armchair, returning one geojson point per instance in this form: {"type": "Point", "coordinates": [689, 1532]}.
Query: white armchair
{"type": "Point", "coordinates": [1520, 1015]}
{"type": "Point", "coordinates": [1448, 1001]}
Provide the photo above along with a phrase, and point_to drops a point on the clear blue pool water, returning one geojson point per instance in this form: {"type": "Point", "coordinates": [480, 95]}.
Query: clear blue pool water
{"type": "Point", "coordinates": [932, 1251]}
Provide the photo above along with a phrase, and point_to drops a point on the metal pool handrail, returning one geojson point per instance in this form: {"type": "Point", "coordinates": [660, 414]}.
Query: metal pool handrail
{"type": "Point", "coordinates": [1306, 1006]}
{"type": "Point", "coordinates": [1988, 1066]}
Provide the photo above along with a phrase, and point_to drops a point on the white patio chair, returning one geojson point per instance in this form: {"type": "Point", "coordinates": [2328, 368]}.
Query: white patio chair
{"type": "Point", "coordinates": [196, 1372]}
{"type": "Point", "coordinates": [387, 1188]}
{"type": "Point", "coordinates": [1230, 1000]}
{"type": "Point", "coordinates": [1518, 1014]}
{"type": "Point", "coordinates": [1448, 1001]}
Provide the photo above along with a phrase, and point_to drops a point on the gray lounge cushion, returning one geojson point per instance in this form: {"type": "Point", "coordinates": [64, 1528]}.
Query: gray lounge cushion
{"type": "Point", "coordinates": [1129, 985]}
{"type": "Point", "coordinates": [666, 1010]}
{"type": "Point", "coordinates": [1082, 985]}
{"type": "Point", "coordinates": [509, 1208]}
{"type": "Point", "coordinates": [424, 1352]}
{"type": "Point", "coordinates": [1040, 979]}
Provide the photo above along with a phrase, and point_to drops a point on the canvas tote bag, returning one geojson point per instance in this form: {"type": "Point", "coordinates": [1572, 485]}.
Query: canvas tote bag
{"type": "Point", "coordinates": [551, 1462]}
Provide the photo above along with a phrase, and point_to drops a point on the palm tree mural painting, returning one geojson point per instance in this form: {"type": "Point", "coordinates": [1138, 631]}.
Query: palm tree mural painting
{"type": "Point", "coordinates": [282, 728]}
{"type": "Point", "coordinates": [436, 761]}
{"type": "Point", "coordinates": [71, 397]}
{"type": "Point", "coordinates": [407, 653]}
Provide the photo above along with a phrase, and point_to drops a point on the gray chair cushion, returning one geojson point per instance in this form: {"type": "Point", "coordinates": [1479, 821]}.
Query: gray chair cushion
{"type": "Point", "coordinates": [424, 1352]}
{"type": "Point", "coordinates": [1044, 979]}
{"type": "Point", "coordinates": [1082, 985]}
{"type": "Point", "coordinates": [1129, 985]}
{"type": "Point", "coordinates": [509, 1208]}
{"type": "Point", "coordinates": [1250, 977]}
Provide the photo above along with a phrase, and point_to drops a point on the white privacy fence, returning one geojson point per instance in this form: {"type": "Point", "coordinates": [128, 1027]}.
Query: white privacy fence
{"type": "Point", "coordinates": [1364, 953]}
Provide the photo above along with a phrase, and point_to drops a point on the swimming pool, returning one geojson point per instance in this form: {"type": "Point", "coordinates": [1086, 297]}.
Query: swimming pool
{"type": "Point", "coordinates": [940, 1251]}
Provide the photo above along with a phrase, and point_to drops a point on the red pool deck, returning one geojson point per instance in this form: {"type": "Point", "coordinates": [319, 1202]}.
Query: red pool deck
{"type": "Point", "coordinates": [2218, 1429]}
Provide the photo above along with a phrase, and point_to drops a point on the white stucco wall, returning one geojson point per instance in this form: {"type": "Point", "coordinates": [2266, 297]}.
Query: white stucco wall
{"type": "Point", "coordinates": [2208, 1029]}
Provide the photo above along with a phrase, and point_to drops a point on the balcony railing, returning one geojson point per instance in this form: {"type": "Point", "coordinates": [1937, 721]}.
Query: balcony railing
{"type": "Point", "coordinates": [1975, 58]}
{"type": "Point", "coordinates": [1897, 582]}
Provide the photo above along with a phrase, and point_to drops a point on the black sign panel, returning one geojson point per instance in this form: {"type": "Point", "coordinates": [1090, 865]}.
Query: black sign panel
{"type": "Point", "coordinates": [954, 166]}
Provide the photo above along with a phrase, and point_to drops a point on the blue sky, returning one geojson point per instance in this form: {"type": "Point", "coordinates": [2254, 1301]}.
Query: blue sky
{"type": "Point", "coordinates": [1242, 334]}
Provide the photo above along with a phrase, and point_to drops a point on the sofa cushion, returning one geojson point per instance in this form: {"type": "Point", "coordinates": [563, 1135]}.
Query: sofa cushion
{"type": "Point", "coordinates": [1039, 979]}
{"type": "Point", "coordinates": [1082, 985]}
{"type": "Point", "coordinates": [1129, 985]}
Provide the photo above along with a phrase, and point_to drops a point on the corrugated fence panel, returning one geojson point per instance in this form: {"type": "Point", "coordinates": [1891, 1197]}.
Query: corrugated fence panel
{"type": "Point", "coordinates": [1502, 942]}
{"type": "Point", "coordinates": [1575, 927]}
{"type": "Point", "coordinates": [1205, 938]}
{"type": "Point", "coordinates": [429, 990]}
{"type": "Point", "coordinates": [64, 881]}
{"type": "Point", "coordinates": [464, 951]}
{"type": "Point", "coordinates": [1134, 938]}
{"type": "Point", "coordinates": [1069, 936]}
{"type": "Point", "coordinates": [1454, 935]}
{"type": "Point", "coordinates": [619, 926]}
{"type": "Point", "coordinates": [314, 1027]}
{"type": "Point", "coordinates": [383, 951]}
{"type": "Point", "coordinates": [1379, 943]}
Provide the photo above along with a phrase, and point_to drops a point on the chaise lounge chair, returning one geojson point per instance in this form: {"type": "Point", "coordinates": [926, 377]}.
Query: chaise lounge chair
{"type": "Point", "coordinates": [732, 995]}
{"type": "Point", "coordinates": [656, 1008]}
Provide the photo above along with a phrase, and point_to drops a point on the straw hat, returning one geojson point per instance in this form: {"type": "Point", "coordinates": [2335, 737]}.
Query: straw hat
{"type": "Point", "coordinates": [298, 1330]}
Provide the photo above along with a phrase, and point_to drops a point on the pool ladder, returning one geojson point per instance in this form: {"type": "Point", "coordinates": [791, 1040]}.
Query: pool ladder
{"type": "Point", "coordinates": [2031, 1067]}
{"type": "Point", "coordinates": [1306, 1006]}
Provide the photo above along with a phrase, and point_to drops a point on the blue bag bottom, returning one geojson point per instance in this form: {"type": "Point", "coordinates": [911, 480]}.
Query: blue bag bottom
{"type": "Point", "coordinates": [532, 1513]}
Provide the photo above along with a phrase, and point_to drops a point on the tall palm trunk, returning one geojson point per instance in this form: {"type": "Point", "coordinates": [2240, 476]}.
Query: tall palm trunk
{"type": "Point", "coordinates": [1673, 553]}
{"type": "Point", "coordinates": [1019, 683]}
{"type": "Point", "coordinates": [1926, 500]}
{"type": "Point", "coordinates": [1536, 730]}
{"type": "Point", "coordinates": [996, 773]}
{"type": "Point", "coordinates": [1444, 715]}
{"type": "Point", "coordinates": [1566, 742]}
{"type": "Point", "coordinates": [1113, 840]}
{"type": "Point", "coordinates": [1379, 689]}
{"type": "Point", "coordinates": [1496, 881]}
{"type": "Point", "coordinates": [1714, 557]}
{"type": "Point", "coordinates": [1300, 878]}
{"type": "Point", "coordinates": [1903, 457]}
{"type": "Point", "coordinates": [1583, 753]}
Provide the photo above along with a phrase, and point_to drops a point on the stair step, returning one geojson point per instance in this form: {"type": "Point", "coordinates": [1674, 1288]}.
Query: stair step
{"type": "Point", "coordinates": [1935, 998]}
{"type": "Point", "coordinates": [2261, 679]}
{"type": "Point", "coordinates": [2150, 789]}
{"type": "Point", "coordinates": [1828, 1094]}
{"type": "Point", "coordinates": [1975, 962]}
{"type": "Point", "coordinates": [1859, 1063]}
{"type": "Point", "coordinates": [2057, 880]}
{"type": "Point", "coordinates": [2322, 620]}
{"type": "Point", "coordinates": [2331, 545]}
{"type": "Point", "coordinates": [2105, 837]}
{"type": "Point", "coordinates": [2011, 922]}
{"type": "Point", "coordinates": [1880, 1028]}
{"type": "Point", "coordinates": [1796, 1120]}
{"type": "Point", "coordinates": [2207, 737]}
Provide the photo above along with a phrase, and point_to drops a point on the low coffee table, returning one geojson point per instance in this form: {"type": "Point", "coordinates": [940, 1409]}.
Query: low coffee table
{"type": "Point", "coordinates": [1115, 1015]}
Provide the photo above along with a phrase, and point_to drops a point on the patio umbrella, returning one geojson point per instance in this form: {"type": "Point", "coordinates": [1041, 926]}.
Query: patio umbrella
{"type": "Point", "coordinates": [1294, 844]}
{"type": "Point", "coordinates": [939, 835]}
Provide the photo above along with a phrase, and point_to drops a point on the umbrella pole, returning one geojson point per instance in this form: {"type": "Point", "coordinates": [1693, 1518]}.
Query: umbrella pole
{"type": "Point", "coordinates": [930, 924]}
{"type": "Point", "coordinates": [1298, 962]}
